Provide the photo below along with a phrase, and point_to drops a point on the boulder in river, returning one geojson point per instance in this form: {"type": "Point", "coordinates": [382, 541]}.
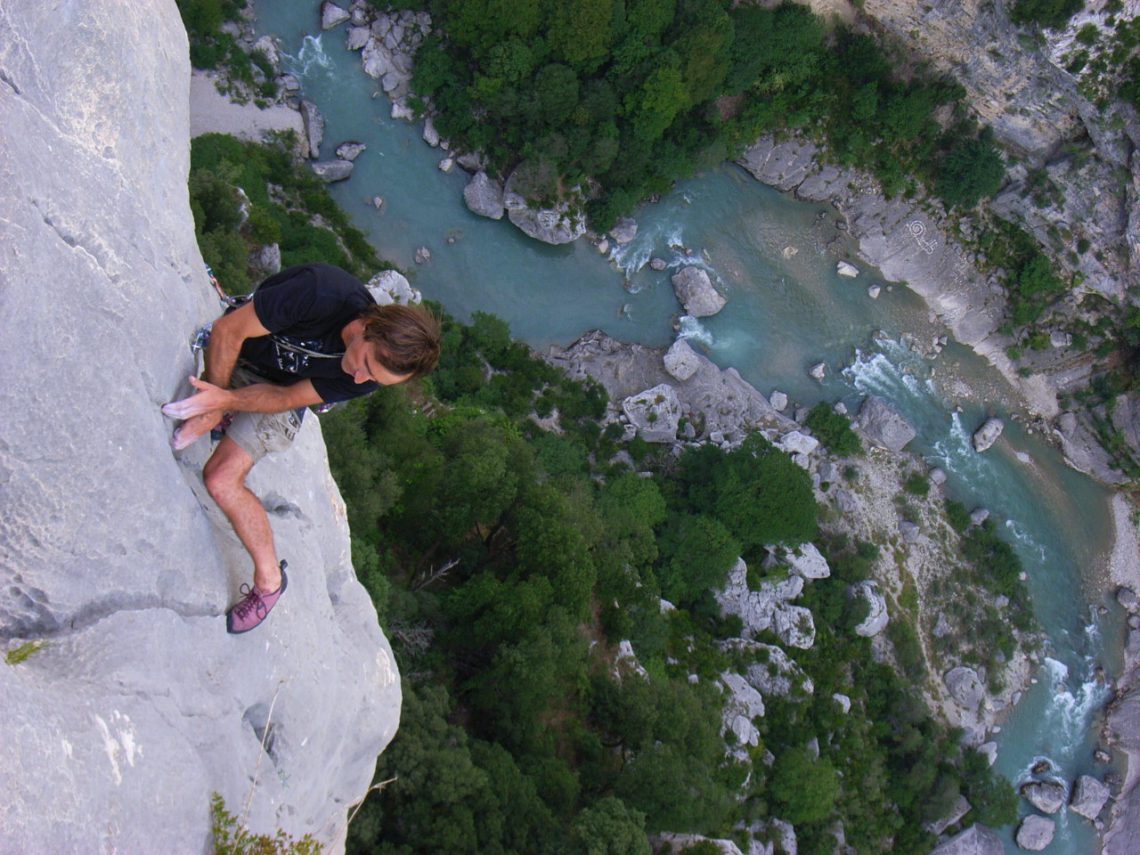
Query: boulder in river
{"type": "Point", "coordinates": [484, 196]}
{"type": "Point", "coordinates": [987, 434]}
{"type": "Point", "coordinates": [350, 150]}
{"type": "Point", "coordinates": [1046, 796]}
{"type": "Point", "coordinates": [696, 292]}
{"type": "Point", "coordinates": [332, 170]}
{"type": "Point", "coordinates": [1035, 833]}
{"type": "Point", "coordinates": [846, 269]}
{"type": "Point", "coordinates": [314, 124]}
{"type": "Point", "coordinates": [883, 425]}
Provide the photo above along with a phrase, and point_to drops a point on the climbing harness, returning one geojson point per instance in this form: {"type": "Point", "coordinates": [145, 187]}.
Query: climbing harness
{"type": "Point", "coordinates": [201, 337]}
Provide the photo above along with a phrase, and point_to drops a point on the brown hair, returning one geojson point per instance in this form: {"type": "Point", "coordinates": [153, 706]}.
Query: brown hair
{"type": "Point", "coordinates": [407, 338]}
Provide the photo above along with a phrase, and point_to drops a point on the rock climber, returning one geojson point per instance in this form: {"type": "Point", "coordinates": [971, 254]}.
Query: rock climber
{"type": "Point", "coordinates": [309, 335]}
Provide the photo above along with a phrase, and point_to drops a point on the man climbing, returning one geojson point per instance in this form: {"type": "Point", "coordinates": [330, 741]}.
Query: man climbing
{"type": "Point", "coordinates": [311, 334]}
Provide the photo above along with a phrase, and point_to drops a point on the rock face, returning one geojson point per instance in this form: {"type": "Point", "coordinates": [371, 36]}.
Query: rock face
{"type": "Point", "coordinates": [562, 223]}
{"type": "Point", "coordinates": [332, 170]}
{"type": "Point", "coordinates": [681, 361]}
{"type": "Point", "coordinates": [883, 425]}
{"type": "Point", "coordinates": [975, 840]}
{"type": "Point", "coordinates": [1089, 796]}
{"type": "Point", "coordinates": [138, 705]}
{"type": "Point", "coordinates": [965, 687]}
{"type": "Point", "coordinates": [696, 292]}
{"type": "Point", "coordinates": [768, 608]}
{"type": "Point", "coordinates": [1035, 833]}
{"type": "Point", "coordinates": [730, 405]}
{"type": "Point", "coordinates": [314, 124]}
{"type": "Point", "coordinates": [655, 413]}
{"type": "Point", "coordinates": [391, 286]}
{"type": "Point", "coordinates": [877, 617]}
{"type": "Point", "coordinates": [484, 196]}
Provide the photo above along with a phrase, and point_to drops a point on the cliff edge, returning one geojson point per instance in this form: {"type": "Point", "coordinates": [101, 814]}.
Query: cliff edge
{"type": "Point", "coordinates": [126, 704]}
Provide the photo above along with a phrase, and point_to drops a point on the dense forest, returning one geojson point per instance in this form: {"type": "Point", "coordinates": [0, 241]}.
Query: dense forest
{"type": "Point", "coordinates": [622, 98]}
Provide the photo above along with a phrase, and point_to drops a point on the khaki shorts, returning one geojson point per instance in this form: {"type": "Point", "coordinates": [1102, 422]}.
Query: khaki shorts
{"type": "Point", "coordinates": [258, 434]}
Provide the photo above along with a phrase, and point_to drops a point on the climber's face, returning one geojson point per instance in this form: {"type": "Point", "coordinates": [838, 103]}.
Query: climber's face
{"type": "Point", "coordinates": [362, 360]}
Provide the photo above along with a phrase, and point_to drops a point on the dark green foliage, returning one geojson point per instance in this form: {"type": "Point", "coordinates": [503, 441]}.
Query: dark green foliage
{"type": "Point", "coordinates": [1047, 13]}
{"type": "Point", "coordinates": [970, 170]}
{"type": "Point", "coordinates": [804, 786]}
{"type": "Point", "coordinates": [833, 430]}
{"type": "Point", "coordinates": [219, 165]}
{"type": "Point", "coordinates": [756, 492]}
{"type": "Point", "coordinates": [699, 552]}
{"type": "Point", "coordinates": [629, 94]}
{"type": "Point", "coordinates": [917, 484]}
{"type": "Point", "coordinates": [993, 799]}
{"type": "Point", "coordinates": [609, 828]}
{"type": "Point", "coordinates": [908, 650]}
{"type": "Point", "coordinates": [957, 516]}
{"type": "Point", "coordinates": [1029, 275]}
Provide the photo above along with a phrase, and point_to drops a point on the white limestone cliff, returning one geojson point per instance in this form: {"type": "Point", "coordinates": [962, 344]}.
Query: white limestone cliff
{"type": "Point", "coordinates": [137, 705]}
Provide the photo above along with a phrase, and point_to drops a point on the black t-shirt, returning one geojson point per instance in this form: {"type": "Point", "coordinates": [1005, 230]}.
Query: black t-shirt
{"type": "Point", "coordinates": [307, 306]}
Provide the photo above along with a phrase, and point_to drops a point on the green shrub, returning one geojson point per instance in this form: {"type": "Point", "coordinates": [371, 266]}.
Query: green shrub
{"type": "Point", "coordinates": [917, 484]}
{"type": "Point", "coordinates": [833, 430]}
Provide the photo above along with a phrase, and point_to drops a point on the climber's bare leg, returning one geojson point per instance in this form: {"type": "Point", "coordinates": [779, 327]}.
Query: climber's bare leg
{"type": "Point", "coordinates": [225, 473]}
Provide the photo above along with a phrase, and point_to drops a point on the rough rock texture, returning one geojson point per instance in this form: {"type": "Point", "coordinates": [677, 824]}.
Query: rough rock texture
{"type": "Point", "coordinates": [767, 608]}
{"type": "Point", "coordinates": [696, 292]}
{"type": "Point", "coordinates": [975, 840]}
{"type": "Point", "coordinates": [777, 675]}
{"type": "Point", "coordinates": [350, 150]}
{"type": "Point", "coordinates": [387, 55]}
{"type": "Point", "coordinates": [1046, 796]}
{"type": "Point", "coordinates": [741, 707]}
{"type": "Point", "coordinates": [877, 617]}
{"type": "Point", "coordinates": [964, 686]}
{"type": "Point", "coordinates": [729, 404]}
{"type": "Point", "coordinates": [1123, 730]}
{"type": "Point", "coordinates": [562, 223]}
{"type": "Point", "coordinates": [391, 286]}
{"type": "Point", "coordinates": [655, 413]}
{"type": "Point", "coordinates": [332, 170]}
{"type": "Point", "coordinates": [681, 361]}
{"type": "Point", "coordinates": [314, 124]}
{"type": "Point", "coordinates": [624, 230]}
{"type": "Point", "coordinates": [139, 705]}
{"type": "Point", "coordinates": [807, 561]}
{"type": "Point", "coordinates": [883, 425]}
{"type": "Point", "coordinates": [1089, 796]}
{"type": "Point", "coordinates": [484, 196]}
{"type": "Point", "coordinates": [332, 15]}
{"type": "Point", "coordinates": [1035, 833]}
{"type": "Point", "coordinates": [987, 434]}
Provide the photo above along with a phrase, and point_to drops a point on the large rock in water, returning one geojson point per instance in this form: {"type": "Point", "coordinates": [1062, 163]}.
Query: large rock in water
{"type": "Point", "coordinates": [696, 293]}
{"type": "Point", "coordinates": [1035, 832]}
{"type": "Point", "coordinates": [138, 705]}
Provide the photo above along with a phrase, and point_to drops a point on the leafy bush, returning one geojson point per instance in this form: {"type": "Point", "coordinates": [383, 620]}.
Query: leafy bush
{"type": "Point", "coordinates": [971, 170]}
{"type": "Point", "coordinates": [833, 430]}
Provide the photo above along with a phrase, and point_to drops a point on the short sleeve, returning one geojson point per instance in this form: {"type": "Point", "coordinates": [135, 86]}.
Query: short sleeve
{"type": "Point", "coordinates": [335, 389]}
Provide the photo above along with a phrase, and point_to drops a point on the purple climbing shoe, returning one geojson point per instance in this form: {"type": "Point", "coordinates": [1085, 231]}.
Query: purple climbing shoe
{"type": "Point", "coordinates": [254, 607]}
